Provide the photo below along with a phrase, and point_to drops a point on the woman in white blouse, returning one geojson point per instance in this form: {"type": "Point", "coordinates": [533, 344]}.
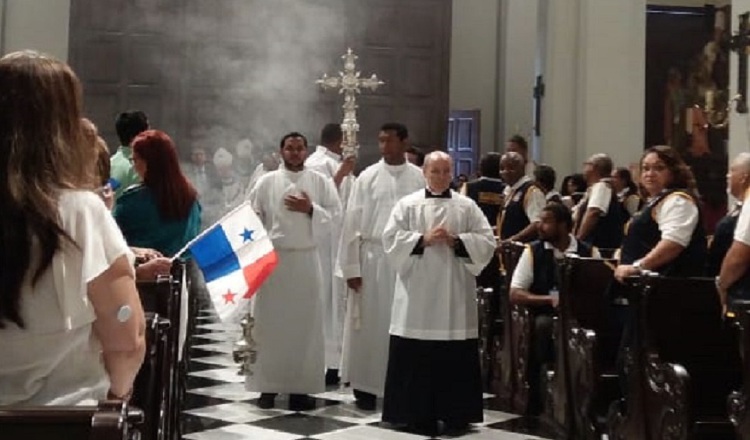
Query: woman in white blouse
{"type": "Point", "coordinates": [667, 235]}
{"type": "Point", "coordinates": [71, 324]}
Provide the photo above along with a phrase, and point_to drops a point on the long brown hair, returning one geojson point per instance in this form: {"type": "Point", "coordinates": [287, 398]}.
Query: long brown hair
{"type": "Point", "coordinates": [173, 192]}
{"type": "Point", "coordinates": [682, 176]}
{"type": "Point", "coordinates": [41, 153]}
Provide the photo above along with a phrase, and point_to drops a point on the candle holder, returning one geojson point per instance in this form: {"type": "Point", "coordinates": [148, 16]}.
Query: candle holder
{"type": "Point", "coordinates": [244, 351]}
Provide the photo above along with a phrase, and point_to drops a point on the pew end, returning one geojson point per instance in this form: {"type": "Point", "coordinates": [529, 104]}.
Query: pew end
{"type": "Point", "coordinates": [110, 420]}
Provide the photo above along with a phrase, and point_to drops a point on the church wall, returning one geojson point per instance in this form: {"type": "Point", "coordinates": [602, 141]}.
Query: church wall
{"type": "Point", "coordinates": [36, 24]}
{"type": "Point", "coordinates": [594, 71]}
{"type": "Point", "coordinates": [473, 75]}
{"type": "Point", "coordinates": [519, 40]}
{"type": "Point", "coordinates": [613, 73]}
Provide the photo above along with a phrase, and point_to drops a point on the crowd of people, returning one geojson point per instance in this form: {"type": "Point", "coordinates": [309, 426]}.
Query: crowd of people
{"type": "Point", "coordinates": [377, 273]}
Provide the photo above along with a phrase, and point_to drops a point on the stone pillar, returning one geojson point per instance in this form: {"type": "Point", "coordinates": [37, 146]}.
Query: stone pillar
{"type": "Point", "coordinates": [518, 39]}
{"type": "Point", "coordinates": [40, 25]}
{"type": "Point", "coordinates": [594, 69]}
{"type": "Point", "coordinates": [739, 124]}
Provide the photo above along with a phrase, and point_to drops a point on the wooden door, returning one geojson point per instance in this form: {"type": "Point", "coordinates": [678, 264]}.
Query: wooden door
{"type": "Point", "coordinates": [215, 72]}
{"type": "Point", "coordinates": [463, 140]}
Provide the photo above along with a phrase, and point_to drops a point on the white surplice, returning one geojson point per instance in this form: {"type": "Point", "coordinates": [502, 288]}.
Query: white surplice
{"type": "Point", "coordinates": [435, 296]}
{"type": "Point", "coordinates": [288, 309]}
{"type": "Point", "coordinates": [368, 313]}
{"type": "Point", "coordinates": [327, 163]}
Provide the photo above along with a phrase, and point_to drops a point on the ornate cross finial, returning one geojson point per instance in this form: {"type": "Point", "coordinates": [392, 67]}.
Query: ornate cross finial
{"type": "Point", "coordinates": [350, 85]}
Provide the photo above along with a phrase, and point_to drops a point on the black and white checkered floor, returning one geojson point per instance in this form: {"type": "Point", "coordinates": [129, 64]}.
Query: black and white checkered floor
{"type": "Point", "coordinates": [217, 406]}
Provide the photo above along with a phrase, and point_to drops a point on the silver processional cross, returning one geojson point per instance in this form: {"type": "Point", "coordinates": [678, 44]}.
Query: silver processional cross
{"type": "Point", "coordinates": [350, 85]}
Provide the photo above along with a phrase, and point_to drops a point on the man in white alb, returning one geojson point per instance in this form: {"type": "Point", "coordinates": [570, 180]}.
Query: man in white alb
{"type": "Point", "coordinates": [297, 207]}
{"type": "Point", "coordinates": [437, 241]}
{"type": "Point", "coordinates": [327, 161]}
{"type": "Point", "coordinates": [370, 278]}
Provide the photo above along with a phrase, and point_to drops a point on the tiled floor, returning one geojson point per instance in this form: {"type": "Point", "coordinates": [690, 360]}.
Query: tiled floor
{"type": "Point", "coordinates": [218, 407]}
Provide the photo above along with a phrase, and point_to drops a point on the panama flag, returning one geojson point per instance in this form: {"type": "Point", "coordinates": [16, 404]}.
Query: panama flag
{"type": "Point", "coordinates": [236, 256]}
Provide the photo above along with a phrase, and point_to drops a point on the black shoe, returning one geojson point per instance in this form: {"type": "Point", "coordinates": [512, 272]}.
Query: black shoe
{"type": "Point", "coordinates": [301, 402]}
{"type": "Point", "coordinates": [455, 429]}
{"type": "Point", "coordinates": [267, 400]}
{"type": "Point", "coordinates": [332, 377]}
{"type": "Point", "coordinates": [429, 429]}
{"type": "Point", "coordinates": [365, 401]}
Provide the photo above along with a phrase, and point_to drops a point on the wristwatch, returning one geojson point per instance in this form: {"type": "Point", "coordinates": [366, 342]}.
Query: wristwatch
{"type": "Point", "coordinates": [637, 265]}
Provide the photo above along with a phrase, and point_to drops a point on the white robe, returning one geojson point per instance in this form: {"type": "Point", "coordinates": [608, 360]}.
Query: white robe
{"type": "Point", "coordinates": [288, 309]}
{"type": "Point", "coordinates": [435, 296]}
{"type": "Point", "coordinates": [368, 313]}
{"type": "Point", "coordinates": [327, 163]}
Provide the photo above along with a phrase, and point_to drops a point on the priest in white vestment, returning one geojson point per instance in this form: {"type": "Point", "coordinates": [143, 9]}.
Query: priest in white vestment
{"type": "Point", "coordinates": [361, 259]}
{"type": "Point", "coordinates": [437, 240]}
{"type": "Point", "coordinates": [327, 160]}
{"type": "Point", "coordinates": [297, 207]}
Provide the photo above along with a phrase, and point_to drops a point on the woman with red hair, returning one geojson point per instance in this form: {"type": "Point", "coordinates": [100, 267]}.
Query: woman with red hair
{"type": "Point", "coordinates": [162, 212]}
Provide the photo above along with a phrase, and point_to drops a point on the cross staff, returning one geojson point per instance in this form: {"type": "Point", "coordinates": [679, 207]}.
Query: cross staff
{"type": "Point", "coordinates": [350, 84]}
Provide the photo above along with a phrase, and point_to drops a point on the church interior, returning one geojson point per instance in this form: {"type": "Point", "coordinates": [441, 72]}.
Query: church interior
{"type": "Point", "coordinates": [594, 315]}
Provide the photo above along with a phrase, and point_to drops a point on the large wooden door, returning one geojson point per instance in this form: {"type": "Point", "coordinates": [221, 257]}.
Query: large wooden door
{"type": "Point", "coordinates": [463, 140]}
{"type": "Point", "coordinates": [215, 72]}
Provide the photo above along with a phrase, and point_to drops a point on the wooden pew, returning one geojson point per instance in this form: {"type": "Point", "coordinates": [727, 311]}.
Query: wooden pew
{"type": "Point", "coordinates": [487, 314]}
{"type": "Point", "coordinates": [683, 366]}
{"type": "Point", "coordinates": [584, 380]}
{"type": "Point", "coordinates": [512, 388]}
{"type": "Point", "coordinates": [151, 387]}
{"type": "Point", "coordinates": [110, 420]}
{"type": "Point", "coordinates": [164, 297]}
{"type": "Point", "coordinates": [739, 401]}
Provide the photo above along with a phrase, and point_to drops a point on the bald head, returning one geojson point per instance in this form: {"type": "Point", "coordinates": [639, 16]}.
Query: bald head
{"type": "Point", "coordinates": [742, 162]}
{"type": "Point", "coordinates": [512, 167]}
{"type": "Point", "coordinates": [437, 156]}
{"type": "Point", "coordinates": [438, 171]}
{"type": "Point", "coordinates": [738, 178]}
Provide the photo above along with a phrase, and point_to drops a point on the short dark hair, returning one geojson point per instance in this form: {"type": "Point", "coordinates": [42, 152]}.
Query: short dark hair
{"type": "Point", "coordinates": [578, 181]}
{"type": "Point", "coordinates": [520, 141]}
{"type": "Point", "coordinates": [489, 165]}
{"type": "Point", "coordinates": [400, 129]}
{"type": "Point", "coordinates": [419, 152]}
{"type": "Point", "coordinates": [330, 134]}
{"type": "Point", "coordinates": [561, 213]}
{"type": "Point", "coordinates": [130, 124]}
{"type": "Point", "coordinates": [293, 134]}
{"type": "Point", "coordinates": [627, 177]}
{"type": "Point", "coordinates": [545, 175]}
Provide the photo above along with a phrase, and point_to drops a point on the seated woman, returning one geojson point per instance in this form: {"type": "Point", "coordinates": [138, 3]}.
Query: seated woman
{"type": "Point", "coordinates": [71, 322]}
{"type": "Point", "coordinates": [666, 236]}
{"type": "Point", "coordinates": [163, 213]}
{"type": "Point", "coordinates": [627, 191]}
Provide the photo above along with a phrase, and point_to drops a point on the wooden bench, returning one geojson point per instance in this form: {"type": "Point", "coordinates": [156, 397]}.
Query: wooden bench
{"type": "Point", "coordinates": [164, 297]}
{"type": "Point", "coordinates": [584, 380]}
{"type": "Point", "coordinates": [110, 420]}
{"type": "Point", "coordinates": [682, 366]}
{"type": "Point", "coordinates": [511, 385]}
{"type": "Point", "coordinates": [739, 401]}
{"type": "Point", "coordinates": [151, 387]}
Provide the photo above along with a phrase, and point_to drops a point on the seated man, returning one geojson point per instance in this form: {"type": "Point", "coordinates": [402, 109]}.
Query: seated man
{"type": "Point", "coordinates": [535, 284]}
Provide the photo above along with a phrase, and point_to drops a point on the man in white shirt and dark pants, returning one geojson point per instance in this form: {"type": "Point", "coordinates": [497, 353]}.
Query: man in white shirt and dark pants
{"type": "Point", "coordinates": [437, 241]}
